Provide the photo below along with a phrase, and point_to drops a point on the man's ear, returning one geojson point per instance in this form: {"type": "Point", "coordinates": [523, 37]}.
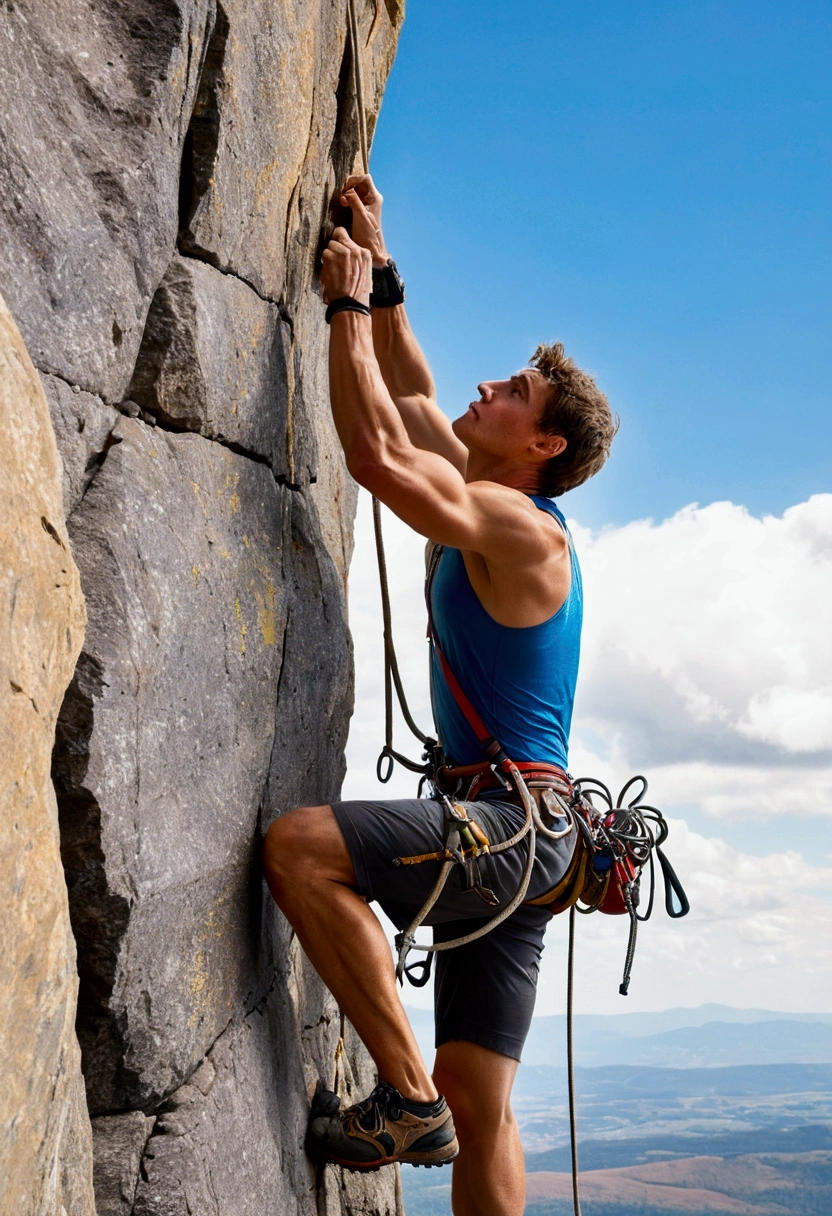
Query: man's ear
{"type": "Point", "coordinates": [549, 446]}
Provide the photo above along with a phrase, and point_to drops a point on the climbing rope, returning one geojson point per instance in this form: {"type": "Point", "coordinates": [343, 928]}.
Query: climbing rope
{"type": "Point", "coordinates": [392, 677]}
{"type": "Point", "coordinates": [570, 1061]}
{"type": "Point", "coordinates": [358, 85]}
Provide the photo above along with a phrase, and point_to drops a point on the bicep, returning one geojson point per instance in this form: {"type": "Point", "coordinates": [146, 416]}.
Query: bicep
{"type": "Point", "coordinates": [429, 494]}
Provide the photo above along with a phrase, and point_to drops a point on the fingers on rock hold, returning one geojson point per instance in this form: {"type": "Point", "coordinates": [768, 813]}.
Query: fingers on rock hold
{"type": "Point", "coordinates": [359, 179]}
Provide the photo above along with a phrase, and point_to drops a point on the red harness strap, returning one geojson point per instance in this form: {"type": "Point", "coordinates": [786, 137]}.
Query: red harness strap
{"type": "Point", "coordinates": [487, 740]}
{"type": "Point", "coordinates": [489, 744]}
{"type": "Point", "coordinates": [538, 772]}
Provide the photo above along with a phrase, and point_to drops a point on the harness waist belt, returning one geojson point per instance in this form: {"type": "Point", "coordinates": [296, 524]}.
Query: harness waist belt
{"type": "Point", "coordinates": [536, 774]}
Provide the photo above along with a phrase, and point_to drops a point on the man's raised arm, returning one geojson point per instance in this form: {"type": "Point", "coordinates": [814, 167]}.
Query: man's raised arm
{"type": "Point", "coordinates": [403, 366]}
{"type": "Point", "coordinates": [426, 491]}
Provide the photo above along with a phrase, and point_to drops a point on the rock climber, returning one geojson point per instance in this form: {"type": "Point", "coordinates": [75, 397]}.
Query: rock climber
{"type": "Point", "coordinates": [506, 606]}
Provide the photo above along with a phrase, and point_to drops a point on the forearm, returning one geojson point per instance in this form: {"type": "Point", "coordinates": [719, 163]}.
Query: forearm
{"type": "Point", "coordinates": [407, 376]}
{"type": "Point", "coordinates": [372, 426]}
{"type": "Point", "coordinates": [366, 419]}
{"type": "Point", "coordinates": [401, 361]}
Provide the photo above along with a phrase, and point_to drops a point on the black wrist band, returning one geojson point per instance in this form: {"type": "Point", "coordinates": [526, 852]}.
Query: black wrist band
{"type": "Point", "coordinates": [345, 304]}
{"type": "Point", "coordinates": [388, 288]}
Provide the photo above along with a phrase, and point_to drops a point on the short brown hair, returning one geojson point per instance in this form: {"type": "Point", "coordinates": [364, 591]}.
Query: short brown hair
{"type": "Point", "coordinates": [578, 410]}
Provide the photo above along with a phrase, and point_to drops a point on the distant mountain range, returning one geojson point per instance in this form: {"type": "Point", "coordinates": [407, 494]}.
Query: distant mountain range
{"type": "Point", "coordinates": [657, 1105]}
{"type": "Point", "coordinates": [710, 1045]}
{"type": "Point", "coordinates": [610, 1083]}
{"type": "Point", "coordinates": [639, 1024]}
{"type": "Point", "coordinates": [710, 1036]}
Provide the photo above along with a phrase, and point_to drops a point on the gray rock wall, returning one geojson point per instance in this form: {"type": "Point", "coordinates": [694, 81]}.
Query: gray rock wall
{"type": "Point", "coordinates": [165, 172]}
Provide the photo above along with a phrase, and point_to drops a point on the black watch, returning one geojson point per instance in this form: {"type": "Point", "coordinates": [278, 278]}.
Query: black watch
{"type": "Point", "coordinates": [388, 288]}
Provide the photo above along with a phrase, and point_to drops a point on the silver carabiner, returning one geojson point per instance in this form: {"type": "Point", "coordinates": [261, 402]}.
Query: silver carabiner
{"type": "Point", "coordinates": [558, 809]}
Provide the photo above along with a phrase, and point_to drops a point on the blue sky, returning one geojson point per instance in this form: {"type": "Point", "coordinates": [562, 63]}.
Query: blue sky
{"type": "Point", "coordinates": [650, 183]}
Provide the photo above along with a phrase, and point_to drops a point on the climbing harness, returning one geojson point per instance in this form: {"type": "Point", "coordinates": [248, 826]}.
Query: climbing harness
{"type": "Point", "coordinates": [614, 841]}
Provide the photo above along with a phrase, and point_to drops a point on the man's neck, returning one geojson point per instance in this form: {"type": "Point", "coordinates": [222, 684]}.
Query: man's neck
{"type": "Point", "coordinates": [525, 478]}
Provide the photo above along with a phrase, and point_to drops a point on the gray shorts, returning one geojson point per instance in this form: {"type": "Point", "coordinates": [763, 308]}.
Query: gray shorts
{"type": "Point", "coordinates": [484, 992]}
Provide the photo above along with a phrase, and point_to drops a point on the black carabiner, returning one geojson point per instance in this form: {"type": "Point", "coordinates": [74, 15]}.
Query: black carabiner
{"type": "Point", "coordinates": [380, 774]}
{"type": "Point", "coordinates": [425, 965]}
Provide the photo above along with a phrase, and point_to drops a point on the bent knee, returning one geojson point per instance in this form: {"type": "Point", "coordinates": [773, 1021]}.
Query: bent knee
{"type": "Point", "coordinates": [303, 847]}
{"type": "Point", "coordinates": [286, 845]}
{"type": "Point", "coordinates": [477, 1126]}
{"type": "Point", "coordinates": [480, 1104]}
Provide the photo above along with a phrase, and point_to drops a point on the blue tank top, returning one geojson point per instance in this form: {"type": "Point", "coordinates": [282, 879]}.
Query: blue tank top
{"type": "Point", "coordinates": [520, 681]}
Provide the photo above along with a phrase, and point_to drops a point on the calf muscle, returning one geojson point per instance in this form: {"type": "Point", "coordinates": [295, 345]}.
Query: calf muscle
{"type": "Point", "coordinates": [489, 1173]}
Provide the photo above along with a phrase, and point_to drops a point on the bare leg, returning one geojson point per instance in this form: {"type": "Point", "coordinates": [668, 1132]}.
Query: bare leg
{"type": "Point", "coordinates": [311, 876]}
{"type": "Point", "coordinates": [489, 1176]}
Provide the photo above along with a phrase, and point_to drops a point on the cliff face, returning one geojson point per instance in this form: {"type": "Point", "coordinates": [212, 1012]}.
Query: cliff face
{"type": "Point", "coordinates": [165, 170]}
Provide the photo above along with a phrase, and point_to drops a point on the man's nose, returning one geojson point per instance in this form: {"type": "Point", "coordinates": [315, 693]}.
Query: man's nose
{"type": "Point", "coordinates": [484, 391]}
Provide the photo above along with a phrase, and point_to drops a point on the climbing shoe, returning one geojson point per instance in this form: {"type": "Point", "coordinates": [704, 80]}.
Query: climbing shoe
{"type": "Point", "coordinates": [384, 1128]}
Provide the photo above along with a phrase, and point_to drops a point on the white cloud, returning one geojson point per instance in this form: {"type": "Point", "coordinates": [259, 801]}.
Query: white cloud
{"type": "Point", "coordinates": [707, 637]}
{"type": "Point", "coordinates": [755, 937]}
{"type": "Point", "coordinates": [707, 663]}
{"type": "Point", "coordinates": [794, 719]}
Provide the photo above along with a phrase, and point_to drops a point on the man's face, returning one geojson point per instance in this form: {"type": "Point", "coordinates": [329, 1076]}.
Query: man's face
{"type": "Point", "coordinates": [504, 422]}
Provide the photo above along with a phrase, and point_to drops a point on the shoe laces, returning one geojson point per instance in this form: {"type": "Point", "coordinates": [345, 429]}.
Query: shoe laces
{"type": "Point", "coordinates": [385, 1099]}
